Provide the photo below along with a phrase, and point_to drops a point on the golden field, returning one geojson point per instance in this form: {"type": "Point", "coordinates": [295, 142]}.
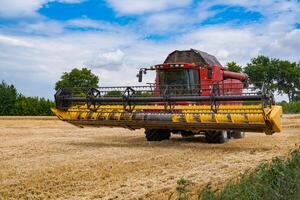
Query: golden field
{"type": "Point", "coordinates": [44, 158]}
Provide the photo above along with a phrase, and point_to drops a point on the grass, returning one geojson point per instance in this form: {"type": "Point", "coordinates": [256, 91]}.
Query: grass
{"type": "Point", "coordinates": [277, 180]}
{"type": "Point", "coordinates": [182, 190]}
{"type": "Point", "coordinates": [291, 107]}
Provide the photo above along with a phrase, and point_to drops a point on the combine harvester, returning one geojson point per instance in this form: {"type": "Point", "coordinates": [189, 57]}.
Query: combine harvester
{"type": "Point", "coordinates": [192, 94]}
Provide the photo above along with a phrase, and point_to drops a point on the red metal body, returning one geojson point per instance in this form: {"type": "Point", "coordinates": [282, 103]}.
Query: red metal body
{"type": "Point", "coordinates": [227, 81]}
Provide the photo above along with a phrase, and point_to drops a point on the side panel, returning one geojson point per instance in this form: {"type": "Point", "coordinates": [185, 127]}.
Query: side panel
{"type": "Point", "coordinates": [208, 76]}
{"type": "Point", "coordinates": [205, 81]}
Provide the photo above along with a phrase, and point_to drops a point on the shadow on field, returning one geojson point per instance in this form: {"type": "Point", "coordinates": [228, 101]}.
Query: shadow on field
{"type": "Point", "coordinates": [195, 143]}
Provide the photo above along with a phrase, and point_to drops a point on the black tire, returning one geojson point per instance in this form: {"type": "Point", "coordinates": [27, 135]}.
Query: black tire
{"type": "Point", "coordinates": [218, 137]}
{"type": "Point", "coordinates": [186, 134]}
{"type": "Point", "coordinates": [157, 134]}
{"type": "Point", "coordinates": [237, 134]}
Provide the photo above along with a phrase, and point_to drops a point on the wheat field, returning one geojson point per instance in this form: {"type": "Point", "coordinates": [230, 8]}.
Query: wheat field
{"type": "Point", "coordinates": [44, 158]}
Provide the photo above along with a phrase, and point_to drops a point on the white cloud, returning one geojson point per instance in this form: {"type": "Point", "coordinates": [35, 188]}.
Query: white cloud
{"type": "Point", "coordinates": [13, 41]}
{"type": "Point", "coordinates": [112, 60]}
{"type": "Point", "coordinates": [34, 63]}
{"type": "Point", "coordinates": [25, 8]}
{"type": "Point", "coordinates": [145, 6]}
{"type": "Point", "coordinates": [19, 8]}
{"type": "Point", "coordinates": [34, 55]}
{"type": "Point", "coordinates": [167, 22]}
{"type": "Point", "coordinates": [41, 27]}
{"type": "Point", "coordinates": [226, 43]}
{"type": "Point", "coordinates": [286, 46]}
{"type": "Point", "coordinates": [271, 9]}
{"type": "Point", "coordinates": [95, 25]}
{"type": "Point", "coordinates": [163, 23]}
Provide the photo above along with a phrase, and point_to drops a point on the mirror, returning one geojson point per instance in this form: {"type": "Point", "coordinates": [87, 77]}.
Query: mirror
{"type": "Point", "coordinates": [140, 75]}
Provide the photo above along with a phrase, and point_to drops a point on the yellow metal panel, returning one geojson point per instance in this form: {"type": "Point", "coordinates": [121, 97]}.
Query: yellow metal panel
{"type": "Point", "coordinates": [176, 118]}
{"type": "Point", "coordinates": [190, 118]}
{"type": "Point", "coordinates": [239, 118]}
{"type": "Point", "coordinates": [275, 118]}
{"type": "Point", "coordinates": [221, 118]}
{"type": "Point", "coordinates": [235, 114]}
{"type": "Point", "coordinates": [252, 118]}
{"type": "Point", "coordinates": [207, 118]}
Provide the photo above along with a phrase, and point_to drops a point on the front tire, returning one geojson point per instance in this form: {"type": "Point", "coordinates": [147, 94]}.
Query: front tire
{"type": "Point", "coordinates": [186, 134]}
{"type": "Point", "coordinates": [157, 134]}
{"type": "Point", "coordinates": [218, 137]}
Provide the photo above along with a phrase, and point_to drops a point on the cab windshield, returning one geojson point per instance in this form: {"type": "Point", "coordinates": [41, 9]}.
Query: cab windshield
{"type": "Point", "coordinates": [179, 81]}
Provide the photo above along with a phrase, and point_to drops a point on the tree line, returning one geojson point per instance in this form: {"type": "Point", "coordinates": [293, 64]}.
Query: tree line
{"type": "Point", "coordinates": [281, 76]}
{"type": "Point", "coordinates": [14, 103]}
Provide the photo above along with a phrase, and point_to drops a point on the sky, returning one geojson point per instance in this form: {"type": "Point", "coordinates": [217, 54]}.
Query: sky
{"type": "Point", "coordinates": [41, 39]}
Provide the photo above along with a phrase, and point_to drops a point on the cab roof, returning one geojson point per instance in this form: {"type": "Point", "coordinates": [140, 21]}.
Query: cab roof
{"type": "Point", "coordinates": [192, 56]}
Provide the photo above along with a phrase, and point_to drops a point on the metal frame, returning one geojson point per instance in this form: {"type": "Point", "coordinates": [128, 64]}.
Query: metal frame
{"type": "Point", "coordinates": [169, 96]}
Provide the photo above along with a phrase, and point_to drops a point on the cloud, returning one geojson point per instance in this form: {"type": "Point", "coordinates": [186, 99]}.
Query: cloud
{"type": "Point", "coordinates": [286, 46]}
{"type": "Point", "coordinates": [272, 9]}
{"type": "Point", "coordinates": [110, 60]}
{"type": "Point", "coordinates": [239, 44]}
{"type": "Point", "coordinates": [19, 8]}
{"type": "Point", "coordinates": [35, 53]}
{"type": "Point", "coordinates": [25, 8]}
{"type": "Point", "coordinates": [13, 41]}
{"type": "Point", "coordinates": [163, 23]}
{"type": "Point", "coordinates": [34, 63]}
{"type": "Point", "coordinates": [94, 25]}
{"type": "Point", "coordinates": [129, 7]}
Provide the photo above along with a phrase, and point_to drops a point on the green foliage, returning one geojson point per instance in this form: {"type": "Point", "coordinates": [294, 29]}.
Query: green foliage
{"type": "Point", "coordinates": [232, 66]}
{"type": "Point", "coordinates": [277, 180]}
{"type": "Point", "coordinates": [13, 104]}
{"type": "Point", "coordinates": [182, 190]}
{"type": "Point", "coordinates": [297, 97]}
{"type": "Point", "coordinates": [33, 106]}
{"type": "Point", "coordinates": [144, 94]}
{"type": "Point", "coordinates": [288, 78]}
{"type": "Point", "coordinates": [207, 194]}
{"type": "Point", "coordinates": [261, 70]}
{"type": "Point", "coordinates": [8, 98]}
{"type": "Point", "coordinates": [291, 107]}
{"type": "Point", "coordinates": [115, 93]}
{"type": "Point", "coordinates": [278, 75]}
{"type": "Point", "coordinates": [82, 78]}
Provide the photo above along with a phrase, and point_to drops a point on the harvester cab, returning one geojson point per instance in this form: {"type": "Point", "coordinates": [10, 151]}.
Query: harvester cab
{"type": "Point", "coordinates": [192, 94]}
{"type": "Point", "coordinates": [195, 72]}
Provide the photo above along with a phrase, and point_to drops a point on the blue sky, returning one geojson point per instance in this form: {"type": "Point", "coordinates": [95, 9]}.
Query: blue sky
{"type": "Point", "coordinates": [40, 39]}
{"type": "Point", "coordinates": [93, 9]}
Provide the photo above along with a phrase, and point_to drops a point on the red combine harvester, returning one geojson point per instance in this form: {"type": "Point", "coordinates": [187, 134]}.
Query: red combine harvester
{"type": "Point", "coordinates": [196, 71]}
{"type": "Point", "coordinates": [192, 94]}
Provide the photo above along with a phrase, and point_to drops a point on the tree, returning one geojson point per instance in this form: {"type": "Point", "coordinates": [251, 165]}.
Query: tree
{"type": "Point", "coordinates": [8, 97]}
{"type": "Point", "coordinates": [278, 75]}
{"type": "Point", "coordinates": [81, 78]}
{"type": "Point", "coordinates": [232, 66]}
{"type": "Point", "coordinates": [33, 106]}
{"type": "Point", "coordinates": [14, 103]}
{"type": "Point", "coordinates": [288, 78]}
{"type": "Point", "coordinates": [261, 70]}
